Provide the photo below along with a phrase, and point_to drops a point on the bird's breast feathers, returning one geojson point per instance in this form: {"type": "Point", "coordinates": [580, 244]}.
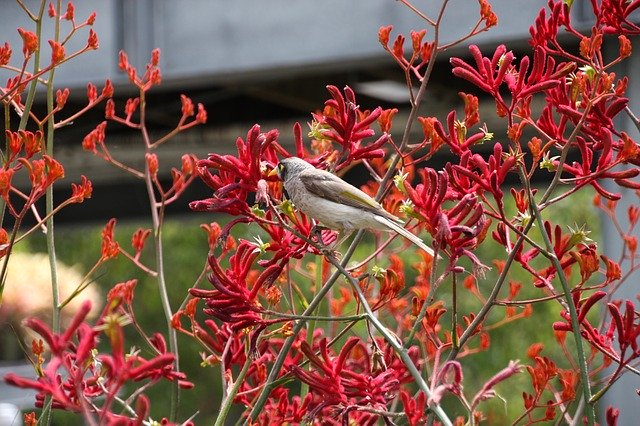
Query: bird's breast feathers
{"type": "Point", "coordinates": [335, 215]}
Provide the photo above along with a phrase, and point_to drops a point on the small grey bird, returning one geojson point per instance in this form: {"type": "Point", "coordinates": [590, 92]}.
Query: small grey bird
{"type": "Point", "coordinates": [335, 203]}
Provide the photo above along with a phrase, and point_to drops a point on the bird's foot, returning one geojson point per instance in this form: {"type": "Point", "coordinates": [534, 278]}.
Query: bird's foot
{"type": "Point", "coordinates": [326, 249]}
{"type": "Point", "coordinates": [330, 252]}
{"type": "Point", "coordinates": [316, 231]}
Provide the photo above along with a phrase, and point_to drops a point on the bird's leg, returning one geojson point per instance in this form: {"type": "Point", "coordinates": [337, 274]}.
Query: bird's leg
{"type": "Point", "coordinates": [316, 231]}
{"type": "Point", "coordinates": [326, 249]}
{"type": "Point", "coordinates": [331, 249]}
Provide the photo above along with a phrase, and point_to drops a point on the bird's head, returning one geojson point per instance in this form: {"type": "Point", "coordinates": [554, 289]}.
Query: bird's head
{"type": "Point", "coordinates": [290, 167]}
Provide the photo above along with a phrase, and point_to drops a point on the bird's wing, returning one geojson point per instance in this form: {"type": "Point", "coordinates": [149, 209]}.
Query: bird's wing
{"type": "Point", "coordinates": [328, 186]}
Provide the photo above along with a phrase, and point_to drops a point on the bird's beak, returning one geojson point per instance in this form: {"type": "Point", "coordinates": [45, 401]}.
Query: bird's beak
{"type": "Point", "coordinates": [273, 172]}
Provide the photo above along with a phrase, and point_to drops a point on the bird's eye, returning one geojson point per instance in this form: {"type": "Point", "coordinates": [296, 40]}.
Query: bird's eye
{"type": "Point", "coordinates": [281, 170]}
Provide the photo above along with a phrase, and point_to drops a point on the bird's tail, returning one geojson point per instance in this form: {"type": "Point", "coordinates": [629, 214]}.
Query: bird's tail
{"type": "Point", "coordinates": [408, 235]}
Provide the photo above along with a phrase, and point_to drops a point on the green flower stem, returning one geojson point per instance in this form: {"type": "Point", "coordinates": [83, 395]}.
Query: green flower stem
{"type": "Point", "coordinates": [157, 211]}
{"type": "Point", "coordinates": [454, 316]}
{"type": "Point", "coordinates": [5, 260]}
{"type": "Point", "coordinates": [544, 202]}
{"type": "Point", "coordinates": [228, 401]}
{"type": "Point", "coordinates": [575, 324]}
{"type": "Point", "coordinates": [31, 94]}
{"type": "Point", "coordinates": [304, 387]}
{"type": "Point", "coordinates": [51, 247]}
{"type": "Point", "coordinates": [3, 206]}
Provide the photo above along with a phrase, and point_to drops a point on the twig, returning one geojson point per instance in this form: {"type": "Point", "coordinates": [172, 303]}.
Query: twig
{"type": "Point", "coordinates": [632, 116]}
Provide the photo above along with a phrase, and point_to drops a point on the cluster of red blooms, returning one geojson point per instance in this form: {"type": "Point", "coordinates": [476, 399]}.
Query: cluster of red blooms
{"type": "Point", "coordinates": [455, 205]}
{"type": "Point", "coordinates": [582, 101]}
{"type": "Point", "coordinates": [360, 381]}
{"type": "Point", "coordinates": [81, 379]}
{"type": "Point", "coordinates": [350, 383]}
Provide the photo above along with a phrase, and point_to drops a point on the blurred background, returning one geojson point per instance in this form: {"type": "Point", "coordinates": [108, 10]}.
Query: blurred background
{"type": "Point", "coordinates": [248, 62]}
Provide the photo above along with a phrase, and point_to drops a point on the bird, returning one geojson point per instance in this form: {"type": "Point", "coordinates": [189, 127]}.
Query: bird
{"type": "Point", "coordinates": [335, 203]}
